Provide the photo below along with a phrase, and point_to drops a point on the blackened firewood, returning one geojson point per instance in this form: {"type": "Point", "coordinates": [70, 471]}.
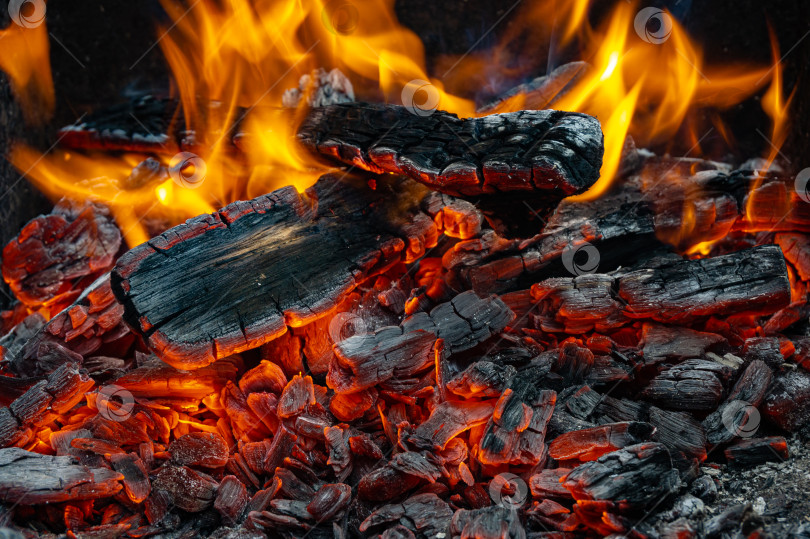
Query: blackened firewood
{"type": "Point", "coordinates": [619, 225]}
{"type": "Point", "coordinates": [695, 385]}
{"type": "Point", "coordinates": [448, 420]}
{"type": "Point", "coordinates": [12, 343]}
{"type": "Point", "coordinates": [494, 522]}
{"type": "Point", "coordinates": [40, 404]}
{"type": "Point", "coordinates": [667, 343]}
{"type": "Point", "coordinates": [754, 280]}
{"type": "Point", "coordinates": [516, 432]}
{"type": "Point", "coordinates": [797, 251]}
{"type": "Point", "coordinates": [231, 499]}
{"type": "Point", "coordinates": [363, 361]}
{"type": "Point", "coordinates": [32, 478]}
{"type": "Point", "coordinates": [771, 350]}
{"type": "Point", "coordinates": [136, 478]}
{"type": "Point", "coordinates": [640, 475]}
{"type": "Point", "coordinates": [464, 321]}
{"type": "Point", "coordinates": [235, 279]}
{"type": "Point", "coordinates": [56, 256]}
{"type": "Point", "coordinates": [737, 415]}
{"type": "Point", "coordinates": [590, 444]}
{"type": "Point", "coordinates": [678, 431]}
{"type": "Point", "coordinates": [787, 404]}
{"type": "Point", "coordinates": [482, 379]}
{"type": "Point", "coordinates": [144, 124]}
{"type": "Point", "coordinates": [721, 201]}
{"type": "Point", "coordinates": [535, 156]}
{"type": "Point", "coordinates": [539, 93]}
{"type": "Point", "coordinates": [188, 489]}
{"type": "Point", "coordinates": [92, 322]}
{"type": "Point", "coordinates": [425, 514]}
{"type": "Point", "coordinates": [753, 451]}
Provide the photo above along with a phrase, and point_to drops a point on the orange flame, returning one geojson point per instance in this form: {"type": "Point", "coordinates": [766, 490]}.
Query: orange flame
{"type": "Point", "coordinates": [232, 62]}
{"type": "Point", "coordinates": [24, 57]}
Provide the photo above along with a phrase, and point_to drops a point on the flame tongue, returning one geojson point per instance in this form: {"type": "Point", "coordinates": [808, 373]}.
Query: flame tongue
{"type": "Point", "coordinates": [233, 62]}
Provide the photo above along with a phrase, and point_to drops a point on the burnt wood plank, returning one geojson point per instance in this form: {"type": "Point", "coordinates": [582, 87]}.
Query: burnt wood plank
{"type": "Point", "coordinates": [235, 279]}
{"type": "Point", "coordinates": [681, 292]}
{"type": "Point", "coordinates": [32, 478]}
{"type": "Point", "coordinates": [536, 156]}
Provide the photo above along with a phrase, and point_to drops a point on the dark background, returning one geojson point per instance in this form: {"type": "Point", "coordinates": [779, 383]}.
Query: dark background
{"type": "Point", "coordinates": [106, 38]}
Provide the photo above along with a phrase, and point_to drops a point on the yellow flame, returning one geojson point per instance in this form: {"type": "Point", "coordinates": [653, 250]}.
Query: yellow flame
{"type": "Point", "coordinates": [24, 57]}
{"type": "Point", "coordinates": [232, 61]}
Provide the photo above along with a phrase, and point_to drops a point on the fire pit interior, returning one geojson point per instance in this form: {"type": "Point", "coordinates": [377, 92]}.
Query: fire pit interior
{"type": "Point", "coordinates": [364, 268]}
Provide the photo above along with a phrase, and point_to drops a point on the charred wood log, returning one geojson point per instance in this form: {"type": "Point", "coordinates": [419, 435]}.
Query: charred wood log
{"type": "Point", "coordinates": [146, 124]}
{"type": "Point", "coordinates": [590, 444]}
{"type": "Point", "coordinates": [754, 281]}
{"type": "Point", "coordinates": [424, 514]}
{"type": "Point", "coordinates": [363, 361]}
{"type": "Point", "coordinates": [695, 385]}
{"type": "Point", "coordinates": [515, 434]}
{"type": "Point", "coordinates": [661, 343]}
{"type": "Point", "coordinates": [787, 404]}
{"type": "Point", "coordinates": [42, 403]}
{"type": "Point", "coordinates": [33, 478]}
{"type": "Point", "coordinates": [639, 475]}
{"type": "Point", "coordinates": [535, 156]}
{"type": "Point", "coordinates": [755, 451]}
{"type": "Point", "coordinates": [618, 225]}
{"type": "Point", "coordinates": [235, 279]}
{"type": "Point", "coordinates": [738, 415]}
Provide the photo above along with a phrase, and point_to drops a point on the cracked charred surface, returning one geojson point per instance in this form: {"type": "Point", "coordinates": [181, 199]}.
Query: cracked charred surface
{"type": "Point", "coordinates": [754, 280]}
{"type": "Point", "coordinates": [503, 160]}
{"type": "Point", "coordinates": [235, 279]}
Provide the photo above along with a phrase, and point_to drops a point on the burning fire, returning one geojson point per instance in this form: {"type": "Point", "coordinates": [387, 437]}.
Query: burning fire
{"type": "Point", "coordinates": [232, 63]}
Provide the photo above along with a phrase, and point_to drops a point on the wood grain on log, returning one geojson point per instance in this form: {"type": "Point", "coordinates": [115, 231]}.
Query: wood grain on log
{"type": "Point", "coordinates": [32, 478]}
{"type": "Point", "coordinates": [754, 281]}
{"type": "Point", "coordinates": [235, 279]}
{"type": "Point", "coordinates": [535, 156]}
